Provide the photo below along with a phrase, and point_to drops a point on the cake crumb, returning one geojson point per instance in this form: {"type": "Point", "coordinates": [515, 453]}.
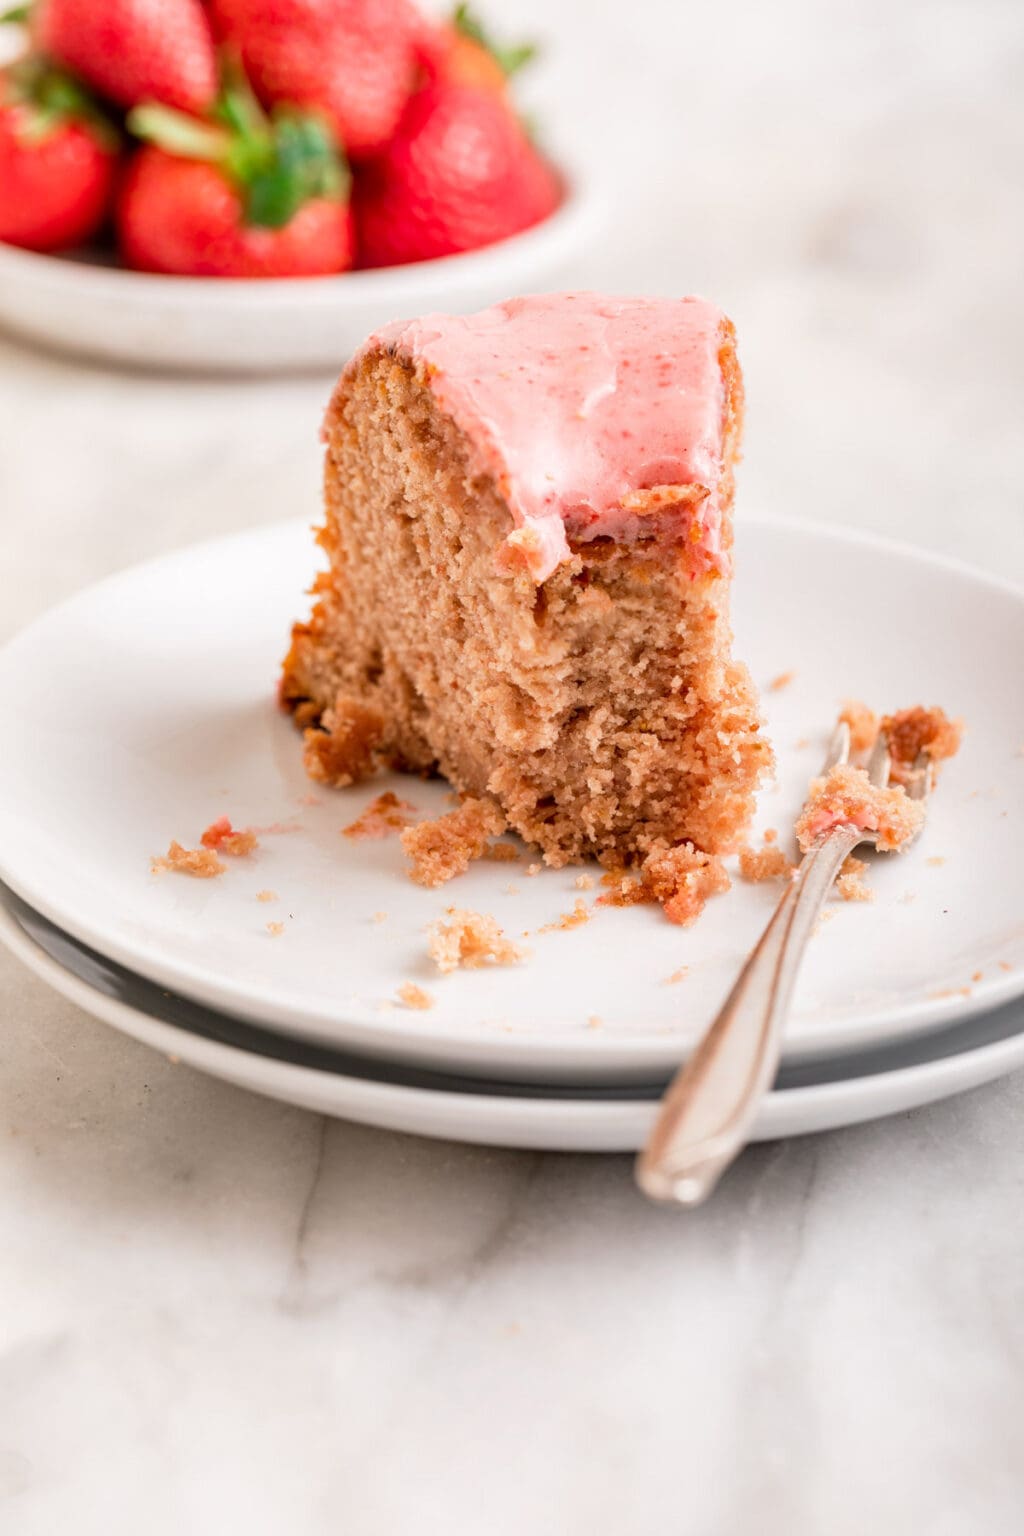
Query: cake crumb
{"type": "Point", "coordinates": [342, 750]}
{"type": "Point", "coordinates": [803, 743]}
{"type": "Point", "coordinates": [682, 879]}
{"type": "Point", "coordinates": [414, 997]}
{"type": "Point", "coordinates": [579, 915]}
{"type": "Point", "coordinates": [911, 732]}
{"type": "Point", "coordinates": [595, 1021]}
{"type": "Point", "coordinates": [782, 681]}
{"type": "Point", "coordinates": [382, 816]}
{"type": "Point", "coordinates": [275, 929]}
{"type": "Point", "coordinates": [200, 863]}
{"type": "Point", "coordinates": [625, 890]}
{"type": "Point", "coordinates": [847, 797]}
{"type": "Point", "coordinates": [533, 869]}
{"type": "Point", "coordinates": [511, 890]}
{"type": "Point", "coordinates": [945, 992]}
{"type": "Point", "coordinates": [501, 853]}
{"type": "Point", "coordinates": [680, 975]}
{"type": "Point", "coordinates": [978, 976]}
{"type": "Point", "coordinates": [863, 724]}
{"type": "Point", "coordinates": [221, 836]}
{"type": "Point", "coordinates": [266, 895]}
{"type": "Point", "coordinates": [309, 799]}
{"type": "Point", "coordinates": [936, 861]}
{"type": "Point", "coordinates": [379, 917]}
{"type": "Point", "coordinates": [439, 850]}
{"type": "Point", "coordinates": [851, 884]}
{"type": "Point", "coordinates": [767, 863]}
{"type": "Point", "coordinates": [1004, 965]}
{"type": "Point", "coordinates": [584, 882]}
{"type": "Point", "coordinates": [470, 940]}
{"type": "Point", "coordinates": [770, 834]}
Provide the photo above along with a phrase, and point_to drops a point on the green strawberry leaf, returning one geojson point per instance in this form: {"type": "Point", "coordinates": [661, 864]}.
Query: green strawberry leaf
{"type": "Point", "coordinates": [276, 163]}
{"type": "Point", "coordinates": [17, 16]}
{"type": "Point", "coordinates": [510, 57]}
{"type": "Point", "coordinates": [52, 98]}
{"type": "Point", "coordinates": [301, 162]}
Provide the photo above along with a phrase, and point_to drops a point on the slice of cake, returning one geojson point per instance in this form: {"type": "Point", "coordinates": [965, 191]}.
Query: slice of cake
{"type": "Point", "coordinates": [529, 535]}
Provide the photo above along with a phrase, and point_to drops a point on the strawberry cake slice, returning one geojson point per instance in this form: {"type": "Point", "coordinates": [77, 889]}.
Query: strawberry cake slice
{"type": "Point", "coordinates": [529, 535]}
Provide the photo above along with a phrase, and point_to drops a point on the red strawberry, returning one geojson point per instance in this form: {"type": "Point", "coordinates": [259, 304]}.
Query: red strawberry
{"type": "Point", "coordinates": [133, 50]}
{"type": "Point", "coordinates": [353, 60]}
{"type": "Point", "coordinates": [57, 160]}
{"type": "Point", "coordinates": [256, 199]}
{"type": "Point", "coordinates": [460, 52]}
{"type": "Point", "coordinates": [460, 173]}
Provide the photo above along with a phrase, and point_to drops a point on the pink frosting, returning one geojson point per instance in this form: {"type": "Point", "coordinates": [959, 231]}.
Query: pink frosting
{"type": "Point", "coordinates": [576, 402]}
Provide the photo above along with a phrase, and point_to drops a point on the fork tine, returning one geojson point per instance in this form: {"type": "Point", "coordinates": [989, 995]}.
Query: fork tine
{"type": "Point", "coordinates": [919, 781]}
{"type": "Point", "coordinates": [838, 748]}
{"type": "Point", "coordinates": [878, 763]}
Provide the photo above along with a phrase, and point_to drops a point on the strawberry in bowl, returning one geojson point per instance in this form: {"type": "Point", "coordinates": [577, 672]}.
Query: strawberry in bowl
{"type": "Point", "coordinates": [354, 61]}
{"type": "Point", "coordinates": [248, 196]}
{"type": "Point", "coordinates": [131, 51]}
{"type": "Point", "coordinates": [460, 173]}
{"type": "Point", "coordinates": [340, 161]}
{"type": "Point", "coordinates": [57, 160]}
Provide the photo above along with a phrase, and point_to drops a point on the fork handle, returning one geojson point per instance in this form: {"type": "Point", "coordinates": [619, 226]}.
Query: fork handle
{"type": "Point", "coordinates": [713, 1099]}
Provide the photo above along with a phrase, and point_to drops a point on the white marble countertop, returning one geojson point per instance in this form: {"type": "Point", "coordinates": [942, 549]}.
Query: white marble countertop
{"type": "Point", "coordinates": [219, 1313]}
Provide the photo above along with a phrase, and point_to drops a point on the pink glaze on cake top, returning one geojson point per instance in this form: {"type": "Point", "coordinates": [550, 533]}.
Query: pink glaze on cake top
{"type": "Point", "coordinates": [578, 402]}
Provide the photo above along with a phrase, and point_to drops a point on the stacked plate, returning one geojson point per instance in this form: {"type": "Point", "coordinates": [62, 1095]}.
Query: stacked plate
{"type": "Point", "coordinates": [143, 710]}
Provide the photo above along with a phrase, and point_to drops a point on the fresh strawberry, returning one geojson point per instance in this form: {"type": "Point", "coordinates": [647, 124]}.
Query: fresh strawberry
{"type": "Point", "coordinates": [249, 198]}
{"type": "Point", "coordinates": [57, 160]}
{"type": "Point", "coordinates": [460, 173]}
{"type": "Point", "coordinates": [133, 50]}
{"type": "Point", "coordinates": [460, 52]}
{"type": "Point", "coordinates": [353, 60]}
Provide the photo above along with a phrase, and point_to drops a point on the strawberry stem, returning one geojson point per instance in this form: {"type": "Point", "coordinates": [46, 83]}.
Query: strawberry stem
{"type": "Point", "coordinates": [177, 133]}
{"type": "Point", "coordinates": [277, 164]}
{"type": "Point", "coordinates": [51, 98]}
{"type": "Point", "coordinates": [510, 58]}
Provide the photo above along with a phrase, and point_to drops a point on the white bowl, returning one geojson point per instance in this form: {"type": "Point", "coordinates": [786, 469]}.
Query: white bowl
{"type": "Point", "coordinates": [274, 324]}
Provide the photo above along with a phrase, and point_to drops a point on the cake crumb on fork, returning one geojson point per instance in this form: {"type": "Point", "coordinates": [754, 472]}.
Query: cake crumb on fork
{"type": "Point", "coordinates": [847, 796]}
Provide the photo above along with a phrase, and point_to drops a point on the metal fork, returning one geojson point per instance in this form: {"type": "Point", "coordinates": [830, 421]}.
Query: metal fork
{"type": "Point", "coordinates": [712, 1101]}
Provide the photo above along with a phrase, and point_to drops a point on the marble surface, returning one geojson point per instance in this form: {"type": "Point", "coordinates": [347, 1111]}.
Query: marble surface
{"type": "Point", "coordinates": [218, 1313]}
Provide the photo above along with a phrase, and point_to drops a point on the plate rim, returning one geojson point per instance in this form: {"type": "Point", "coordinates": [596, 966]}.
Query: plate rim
{"type": "Point", "coordinates": [433, 1041]}
{"type": "Point", "coordinates": [582, 1123]}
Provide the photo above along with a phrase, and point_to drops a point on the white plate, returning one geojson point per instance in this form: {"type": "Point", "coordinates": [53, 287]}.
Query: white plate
{"type": "Point", "coordinates": [143, 708]}
{"type": "Point", "coordinates": [276, 324]}
{"type": "Point", "coordinates": [815, 1097]}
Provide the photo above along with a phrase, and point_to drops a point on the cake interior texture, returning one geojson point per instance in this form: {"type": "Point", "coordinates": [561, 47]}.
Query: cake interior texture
{"type": "Point", "coordinates": [599, 707]}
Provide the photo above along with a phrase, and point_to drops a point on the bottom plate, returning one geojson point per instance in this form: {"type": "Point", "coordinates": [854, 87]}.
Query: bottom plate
{"type": "Point", "coordinates": [815, 1096]}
